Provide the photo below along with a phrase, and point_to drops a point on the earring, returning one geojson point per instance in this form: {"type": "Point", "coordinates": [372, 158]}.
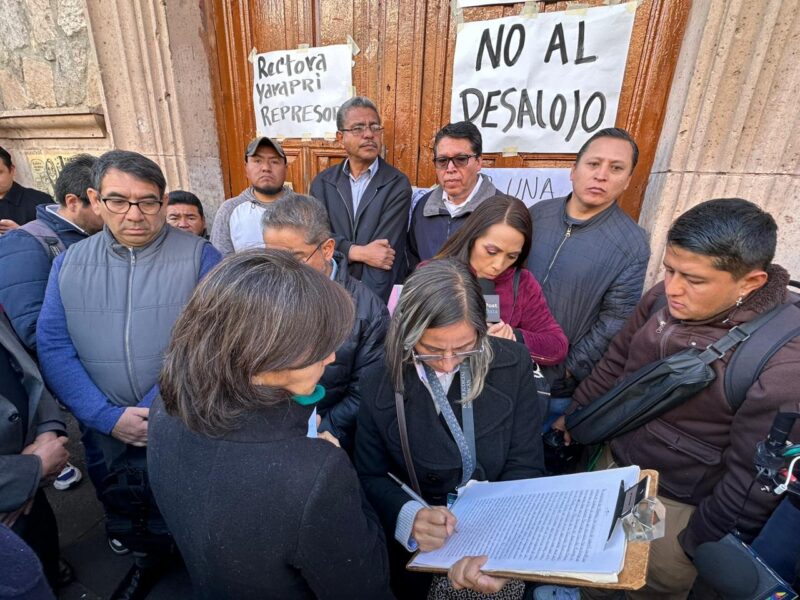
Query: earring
{"type": "Point", "coordinates": [739, 301]}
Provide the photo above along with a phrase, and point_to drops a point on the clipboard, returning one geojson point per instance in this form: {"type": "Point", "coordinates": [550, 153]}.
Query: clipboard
{"type": "Point", "coordinates": [633, 575]}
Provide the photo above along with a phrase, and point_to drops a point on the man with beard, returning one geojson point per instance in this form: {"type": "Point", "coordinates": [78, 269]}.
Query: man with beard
{"type": "Point", "coordinates": [237, 225]}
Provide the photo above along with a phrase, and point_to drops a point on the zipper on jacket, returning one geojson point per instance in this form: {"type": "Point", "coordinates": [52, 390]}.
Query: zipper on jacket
{"type": "Point", "coordinates": [661, 321]}
{"type": "Point", "coordinates": [349, 210]}
{"type": "Point", "coordinates": [665, 333]}
{"type": "Point", "coordinates": [567, 233]}
{"type": "Point", "coordinates": [127, 334]}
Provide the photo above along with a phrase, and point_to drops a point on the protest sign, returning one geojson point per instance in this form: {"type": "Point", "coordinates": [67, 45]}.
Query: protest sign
{"type": "Point", "coordinates": [531, 185]}
{"type": "Point", "coordinates": [543, 84]}
{"type": "Point", "coordinates": [297, 93]}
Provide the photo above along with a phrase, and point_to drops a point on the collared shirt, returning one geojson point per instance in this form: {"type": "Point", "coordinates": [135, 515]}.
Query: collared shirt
{"type": "Point", "coordinates": [359, 186]}
{"type": "Point", "coordinates": [53, 210]}
{"type": "Point", "coordinates": [457, 209]}
{"type": "Point", "coordinates": [334, 270]}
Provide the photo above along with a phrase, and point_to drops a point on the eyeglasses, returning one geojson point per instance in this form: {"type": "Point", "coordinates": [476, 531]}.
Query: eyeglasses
{"type": "Point", "coordinates": [121, 206]}
{"type": "Point", "coordinates": [360, 130]}
{"type": "Point", "coordinates": [441, 162]}
{"type": "Point", "coordinates": [452, 355]}
{"type": "Point", "coordinates": [308, 258]}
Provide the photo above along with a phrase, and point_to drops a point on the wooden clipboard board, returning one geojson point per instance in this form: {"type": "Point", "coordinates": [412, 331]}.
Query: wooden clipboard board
{"type": "Point", "coordinates": [634, 570]}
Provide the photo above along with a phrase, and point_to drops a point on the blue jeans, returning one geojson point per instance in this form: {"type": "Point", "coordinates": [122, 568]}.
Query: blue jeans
{"type": "Point", "coordinates": [778, 544]}
{"type": "Point", "coordinates": [555, 409]}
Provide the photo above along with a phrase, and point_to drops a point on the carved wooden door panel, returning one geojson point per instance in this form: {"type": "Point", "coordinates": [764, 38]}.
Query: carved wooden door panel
{"type": "Point", "coordinates": [405, 67]}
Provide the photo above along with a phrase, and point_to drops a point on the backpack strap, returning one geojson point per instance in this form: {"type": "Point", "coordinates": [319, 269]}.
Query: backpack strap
{"type": "Point", "coordinates": [750, 358]}
{"type": "Point", "coordinates": [48, 238]}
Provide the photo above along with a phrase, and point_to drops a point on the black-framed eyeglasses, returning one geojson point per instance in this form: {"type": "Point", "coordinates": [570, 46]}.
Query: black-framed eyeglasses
{"type": "Point", "coordinates": [452, 355]}
{"type": "Point", "coordinates": [441, 162]}
{"type": "Point", "coordinates": [360, 130]}
{"type": "Point", "coordinates": [308, 258]}
{"type": "Point", "coordinates": [121, 206]}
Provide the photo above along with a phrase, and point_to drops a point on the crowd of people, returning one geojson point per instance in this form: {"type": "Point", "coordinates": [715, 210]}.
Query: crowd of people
{"type": "Point", "coordinates": [245, 398]}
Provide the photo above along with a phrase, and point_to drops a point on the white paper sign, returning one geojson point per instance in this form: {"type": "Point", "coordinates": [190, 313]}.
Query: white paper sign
{"type": "Point", "coordinates": [531, 185]}
{"type": "Point", "coordinates": [297, 93]}
{"type": "Point", "coordinates": [544, 84]}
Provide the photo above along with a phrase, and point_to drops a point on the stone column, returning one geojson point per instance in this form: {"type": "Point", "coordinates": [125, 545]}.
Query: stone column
{"type": "Point", "coordinates": [157, 88]}
{"type": "Point", "coordinates": [733, 125]}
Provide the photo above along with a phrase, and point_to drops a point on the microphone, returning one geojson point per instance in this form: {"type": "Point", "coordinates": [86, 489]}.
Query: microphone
{"type": "Point", "coordinates": [735, 571]}
{"type": "Point", "coordinates": [492, 300]}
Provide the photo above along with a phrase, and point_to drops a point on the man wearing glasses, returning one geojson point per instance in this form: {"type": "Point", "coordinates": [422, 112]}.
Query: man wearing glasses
{"type": "Point", "coordinates": [108, 311]}
{"type": "Point", "coordinates": [299, 225]}
{"type": "Point", "coordinates": [367, 200]}
{"type": "Point", "coordinates": [457, 151]}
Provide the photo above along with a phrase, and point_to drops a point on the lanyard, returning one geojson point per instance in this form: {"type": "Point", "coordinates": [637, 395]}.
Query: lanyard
{"type": "Point", "coordinates": [465, 439]}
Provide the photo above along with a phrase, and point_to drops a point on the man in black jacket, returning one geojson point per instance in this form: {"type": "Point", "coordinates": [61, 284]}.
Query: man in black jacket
{"type": "Point", "coordinates": [299, 225]}
{"type": "Point", "coordinates": [367, 200]}
{"type": "Point", "coordinates": [32, 450]}
{"type": "Point", "coordinates": [17, 204]}
{"type": "Point", "coordinates": [589, 256]}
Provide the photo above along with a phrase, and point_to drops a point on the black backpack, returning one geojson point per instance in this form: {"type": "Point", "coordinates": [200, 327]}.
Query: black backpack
{"type": "Point", "coordinates": [664, 384]}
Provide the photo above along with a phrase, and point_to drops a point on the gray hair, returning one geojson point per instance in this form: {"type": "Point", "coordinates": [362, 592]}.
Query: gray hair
{"type": "Point", "coordinates": [300, 212]}
{"type": "Point", "coordinates": [296, 316]}
{"type": "Point", "coordinates": [354, 102]}
{"type": "Point", "coordinates": [441, 293]}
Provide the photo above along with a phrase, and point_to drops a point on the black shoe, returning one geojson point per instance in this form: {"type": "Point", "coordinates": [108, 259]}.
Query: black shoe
{"type": "Point", "coordinates": [137, 583]}
{"type": "Point", "coordinates": [65, 573]}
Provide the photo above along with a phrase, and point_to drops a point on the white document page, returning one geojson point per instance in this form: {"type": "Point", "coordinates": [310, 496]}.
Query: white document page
{"type": "Point", "coordinates": [549, 525]}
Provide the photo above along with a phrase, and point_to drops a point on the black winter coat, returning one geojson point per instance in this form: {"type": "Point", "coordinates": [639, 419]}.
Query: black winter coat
{"type": "Point", "coordinates": [508, 420]}
{"type": "Point", "coordinates": [592, 275]}
{"type": "Point", "coordinates": [364, 347]}
{"type": "Point", "coordinates": [264, 511]}
{"type": "Point", "coordinates": [382, 214]}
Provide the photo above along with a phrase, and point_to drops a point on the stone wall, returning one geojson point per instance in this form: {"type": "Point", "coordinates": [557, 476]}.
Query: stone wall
{"type": "Point", "coordinates": [732, 124]}
{"type": "Point", "coordinates": [46, 59]}
{"type": "Point", "coordinates": [92, 75]}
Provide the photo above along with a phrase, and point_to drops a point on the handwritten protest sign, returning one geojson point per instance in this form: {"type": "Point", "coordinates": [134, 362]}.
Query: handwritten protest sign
{"type": "Point", "coordinates": [543, 84]}
{"type": "Point", "coordinates": [297, 93]}
{"type": "Point", "coordinates": [531, 185]}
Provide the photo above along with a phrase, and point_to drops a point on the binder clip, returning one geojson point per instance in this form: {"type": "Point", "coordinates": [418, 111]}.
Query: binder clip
{"type": "Point", "coordinates": [641, 515]}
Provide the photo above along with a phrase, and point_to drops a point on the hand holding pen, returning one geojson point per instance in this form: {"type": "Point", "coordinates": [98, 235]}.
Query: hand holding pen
{"type": "Point", "coordinates": [433, 525]}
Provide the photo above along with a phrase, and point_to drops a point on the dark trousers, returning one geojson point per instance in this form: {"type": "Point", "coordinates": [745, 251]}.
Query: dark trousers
{"type": "Point", "coordinates": [39, 530]}
{"type": "Point", "coordinates": [778, 544]}
{"type": "Point", "coordinates": [405, 584]}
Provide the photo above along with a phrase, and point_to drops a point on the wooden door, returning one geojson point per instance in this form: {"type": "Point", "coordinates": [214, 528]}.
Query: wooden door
{"type": "Point", "coordinates": [405, 67]}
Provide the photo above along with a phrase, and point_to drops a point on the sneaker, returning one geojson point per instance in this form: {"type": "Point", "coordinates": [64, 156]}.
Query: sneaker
{"type": "Point", "coordinates": [69, 476]}
{"type": "Point", "coordinates": [117, 547]}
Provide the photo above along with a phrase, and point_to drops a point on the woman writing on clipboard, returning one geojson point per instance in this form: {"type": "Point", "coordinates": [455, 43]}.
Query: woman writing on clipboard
{"type": "Point", "coordinates": [442, 371]}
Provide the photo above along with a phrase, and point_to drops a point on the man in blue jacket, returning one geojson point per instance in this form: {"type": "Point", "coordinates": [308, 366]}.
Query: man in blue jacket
{"type": "Point", "coordinates": [106, 320]}
{"type": "Point", "coordinates": [27, 253]}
